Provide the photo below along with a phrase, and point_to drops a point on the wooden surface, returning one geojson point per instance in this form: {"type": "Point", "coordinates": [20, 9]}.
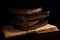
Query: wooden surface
{"type": "Point", "coordinates": [9, 31]}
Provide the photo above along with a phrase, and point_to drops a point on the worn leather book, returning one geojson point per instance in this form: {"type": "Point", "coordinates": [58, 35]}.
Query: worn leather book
{"type": "Point", "coordinates": [27, 23]}
{"type": "Point", "coordinates": [9, 31]}
{"type": "Point", "coordinates": [30, 11]}
{"type": "Point", "coordinates": [26, 17]}
{"type": "Point", "coordinates": [31, 26]}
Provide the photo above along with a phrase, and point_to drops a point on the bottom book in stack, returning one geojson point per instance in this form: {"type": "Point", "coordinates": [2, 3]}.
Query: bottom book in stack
{"type": "Point", "coordinates": [9, 31]}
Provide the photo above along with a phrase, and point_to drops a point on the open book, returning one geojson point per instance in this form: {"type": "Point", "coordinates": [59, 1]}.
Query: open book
{"type": "Point", "coordinates": [9, 31]}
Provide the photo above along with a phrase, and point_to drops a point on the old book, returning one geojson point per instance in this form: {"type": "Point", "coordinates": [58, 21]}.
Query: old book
{"type": "Point", "coordinates": [30, 17]}
{"type": "Point", "coordinates": [9, 31]}
{"type": "Point", "coordinates": [25, 25]}
{"type": "Point", "coordinates": [30, 25]}
{"type": "Point", "coordinates": [26, 11]}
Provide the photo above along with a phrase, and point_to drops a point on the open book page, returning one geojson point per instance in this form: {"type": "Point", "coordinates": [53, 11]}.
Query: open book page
{"type": "Point", "coordinates": [9, 31]}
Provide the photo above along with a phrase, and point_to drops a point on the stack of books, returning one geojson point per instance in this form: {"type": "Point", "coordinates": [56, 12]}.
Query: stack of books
{"type": "Point", "coordinates": [28, 21]}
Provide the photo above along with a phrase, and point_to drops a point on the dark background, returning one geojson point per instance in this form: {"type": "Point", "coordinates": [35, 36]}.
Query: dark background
{"type": "Point", "coordinates": [54, 7]}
